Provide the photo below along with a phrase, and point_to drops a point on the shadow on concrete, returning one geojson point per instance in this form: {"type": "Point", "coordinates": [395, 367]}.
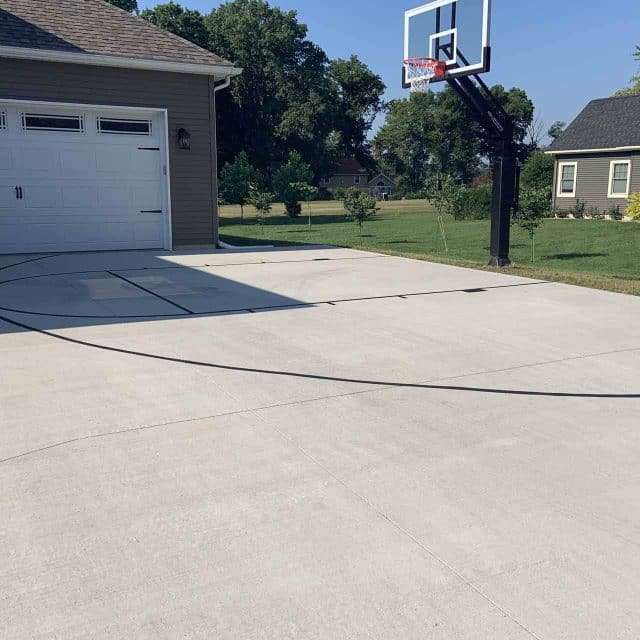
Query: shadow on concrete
{"type": "Point", "coordinates": [71, 290]}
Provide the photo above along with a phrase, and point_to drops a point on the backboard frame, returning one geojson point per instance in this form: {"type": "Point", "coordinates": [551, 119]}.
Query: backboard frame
{"type": "Point", "coordinates": [457, 64]}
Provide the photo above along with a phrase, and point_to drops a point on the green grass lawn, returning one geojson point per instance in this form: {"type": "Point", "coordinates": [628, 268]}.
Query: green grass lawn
{"type": "Point", "coordinates": [603, 254]}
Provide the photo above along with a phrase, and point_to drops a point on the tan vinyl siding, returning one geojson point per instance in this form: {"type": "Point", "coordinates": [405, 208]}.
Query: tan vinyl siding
{"type": "Point", "coordinates": [592, 179]}
{"type": "Point", "coordinates": [186, 98]}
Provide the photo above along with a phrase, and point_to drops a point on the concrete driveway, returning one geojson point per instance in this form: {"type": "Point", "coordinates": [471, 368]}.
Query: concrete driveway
{"type": "Point", "coordinates": [314, 444]}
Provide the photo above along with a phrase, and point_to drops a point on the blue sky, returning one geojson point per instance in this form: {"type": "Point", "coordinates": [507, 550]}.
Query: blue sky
{"type": "Point", "coordinates": [563, 53]}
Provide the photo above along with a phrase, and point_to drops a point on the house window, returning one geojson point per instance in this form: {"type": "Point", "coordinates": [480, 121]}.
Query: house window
{"type": "Point", "coordinates": [52, 122]}
{"type": "Point", "coordinates": [356, 179]}
{"type": "Point", "coordinates": [3, 119]}
{"type": "Point", "coordinates": [619, 178]}
{"type": "Point", "coordinates": [567, 172]}
{"type": "Point", "coordinates": [123, 126]}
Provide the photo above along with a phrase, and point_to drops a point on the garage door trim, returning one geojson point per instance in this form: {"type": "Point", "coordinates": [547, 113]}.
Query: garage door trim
{"type": "Point", "coordinates": [168, 232]}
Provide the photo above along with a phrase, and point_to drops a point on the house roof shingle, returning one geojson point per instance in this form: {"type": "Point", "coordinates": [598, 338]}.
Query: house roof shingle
{"type": "Point", "coordinates": [606, 123]}
{"type": "Point", "coordinates": [348, 167]}
{"type": "Point", "coordinates": [93, 27]}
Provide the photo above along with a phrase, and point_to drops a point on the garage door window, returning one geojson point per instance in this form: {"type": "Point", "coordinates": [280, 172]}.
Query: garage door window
{"type": "Point", "coordinates": [123, 126]}
{"type": "Point", "coordinates": [52, 122]}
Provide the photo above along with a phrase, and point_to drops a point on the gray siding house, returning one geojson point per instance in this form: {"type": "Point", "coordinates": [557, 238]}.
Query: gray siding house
{"type": "Point", "coordinates": [597, 158]}
{"type": "Point", "coordinates": [107, 131]}
{"type": "Point", "coordinates": [348, 173]}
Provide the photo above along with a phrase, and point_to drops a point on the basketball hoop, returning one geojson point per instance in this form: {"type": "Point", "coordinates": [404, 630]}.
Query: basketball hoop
{"type": "Point", "coordinates": [421, 71]}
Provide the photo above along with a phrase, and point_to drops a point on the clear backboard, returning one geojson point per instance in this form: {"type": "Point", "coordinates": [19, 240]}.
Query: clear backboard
{"type": "Point", "coordinates": [456, 31]}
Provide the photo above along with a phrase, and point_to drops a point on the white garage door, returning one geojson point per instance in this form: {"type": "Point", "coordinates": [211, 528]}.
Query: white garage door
{"type": "Point", "coordinates": [82, 179]}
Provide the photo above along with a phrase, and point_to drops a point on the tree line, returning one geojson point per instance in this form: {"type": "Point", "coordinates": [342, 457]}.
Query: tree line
{"type": "Point", "coordinates": [292, 98]}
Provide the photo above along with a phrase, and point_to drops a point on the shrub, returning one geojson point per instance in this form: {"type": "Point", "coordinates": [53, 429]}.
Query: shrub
{"type": "Point", "coordinates": [474, 204]}
{"type": "Point", "coordinates": [478, 181]}
{"type": "Point", "coordinates": [595, 213]}
{"type": "Point", "coordinates": [614, 212]}
{"type": "Point", "coordinates": [633, 208]}
{"type": "Point", "coordinates": [562, 213]}
{"type": "Point", "coordinates": [579, 209]}
{"type": "Point", "coordinates": [416, 195]}
{"type": "Point", "coordinates": [359, 205]}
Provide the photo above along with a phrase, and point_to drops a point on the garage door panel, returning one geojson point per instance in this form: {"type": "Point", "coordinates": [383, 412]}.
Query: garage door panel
{"type": "Point", "coordinates": [115, 197]}
{"type": "Point", "coordinates": [81, 190]}
{"type": "Point", "coordinates": [7, 163]}
{"type": "Point", "coordinates": [8, 200]}
{"type": "Point", "coordinates": [77, 162]}
{"type": "Point", "coordinates": [37, 158]}
{"type": "Point", "coordinates": [80, 196]}
{"type": "Point", "coordinates": [46, 196]}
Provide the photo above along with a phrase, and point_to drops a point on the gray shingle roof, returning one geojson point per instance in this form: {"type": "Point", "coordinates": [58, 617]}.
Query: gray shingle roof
{"type": "Point", "coordinates": [606, 123]}
{"type": "Point", "coordinates": [93, 27]}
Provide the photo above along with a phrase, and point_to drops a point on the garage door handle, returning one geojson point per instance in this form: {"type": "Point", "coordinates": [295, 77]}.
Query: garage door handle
{"type": "Point", "coordinates": [151, 211]}
{"type": "Point", "coordinates": [20, 192]}
{"type": "Point", "coordinates": [17, 194]}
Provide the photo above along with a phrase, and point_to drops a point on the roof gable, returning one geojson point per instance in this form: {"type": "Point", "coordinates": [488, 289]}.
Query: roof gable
{"type": "Point", "coordinates": [381, 176]}
{"type": "Point", "coordinates": [607, 123]}
{"type": "Point", "coordinates": [93, 27]}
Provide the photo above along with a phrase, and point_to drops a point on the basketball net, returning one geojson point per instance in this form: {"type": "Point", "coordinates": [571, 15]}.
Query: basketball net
{"type": "Point", "coordinates": [421, 71]}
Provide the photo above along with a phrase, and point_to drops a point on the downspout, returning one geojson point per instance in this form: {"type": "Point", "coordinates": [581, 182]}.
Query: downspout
{"type": "Point", "coordinates": [213, 147]}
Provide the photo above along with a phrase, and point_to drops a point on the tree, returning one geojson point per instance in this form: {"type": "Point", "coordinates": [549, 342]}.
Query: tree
{"type": "Point", "coordinates": [128, 5]}
{"type": "Point", "coordinates": [556, 129]}
{"type": "Point", "coordinates": [534, 205]}
{"type": "Point", "coordinates": [237, 179]}
{"type": "Point", "coordinates": [517, 105]}
{"type": "Point", "coordinates": [535, 134]}
{"type": "Point", "coordinates": [288, 183]}
{"type": "Point", "coordinates": [359, 100]}
{"type": "Point", "coordinates": [284, 99]}
{"type": "Point", "coordinates": [634, 89]}
{"type": "Point", "coordinates": [359, 206]}
{"type": "Point", "coordinates": [262, 202]}
{"type": "Point", "coordinates": [537, 172]}
{"type": "Point", "coordinates": [185, 23]}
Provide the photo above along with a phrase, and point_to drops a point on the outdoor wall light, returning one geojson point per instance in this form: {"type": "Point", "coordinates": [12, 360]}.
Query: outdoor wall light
{"type": "Point", "coordinates": [184, 139]}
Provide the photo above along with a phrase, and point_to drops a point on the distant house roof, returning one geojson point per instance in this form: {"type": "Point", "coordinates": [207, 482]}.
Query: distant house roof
{"type": "Point", "coordinates": [95, 32]}
{"type": "Point", "coordinates": [607, 123]}
{"type": "Point", "coordinates": [349, 167]}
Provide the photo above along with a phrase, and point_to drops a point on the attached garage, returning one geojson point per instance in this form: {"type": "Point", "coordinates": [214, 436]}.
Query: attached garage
{"type": "Point", "coordinates": [99, 151]}
{"type": "Point", "coordinates": [78, 178]}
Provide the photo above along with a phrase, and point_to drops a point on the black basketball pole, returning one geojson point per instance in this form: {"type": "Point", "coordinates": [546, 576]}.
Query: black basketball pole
{"type": "Point", "coordinates": [499, 125]}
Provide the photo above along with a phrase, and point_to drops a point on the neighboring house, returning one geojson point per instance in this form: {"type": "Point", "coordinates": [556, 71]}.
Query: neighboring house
{"type": "Point", "coordinates": [107, 131]}
{"type": "Point", "coordinates": [597, 158]}
{"type": "Point", "coordinates": [348, 172]}
{"type": "Point", "coordinates": [381, 186]}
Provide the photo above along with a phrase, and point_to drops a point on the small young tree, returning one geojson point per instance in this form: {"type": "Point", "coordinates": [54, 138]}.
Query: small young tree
{"type": "Point", "coordinates": [307, 191]}
{"type": "Point", "coordinates": [359, 206]}
{"type": "Point", "coordinates": [262, 202]}
{"type": "Point", "coordinates": [444, 192]}
{"type": "Point", "coordinates": [534, 205]}
{"type": "Point", "coordinates": [288, 183]}
{"type": "Point", "coordinates": [237, 179]}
